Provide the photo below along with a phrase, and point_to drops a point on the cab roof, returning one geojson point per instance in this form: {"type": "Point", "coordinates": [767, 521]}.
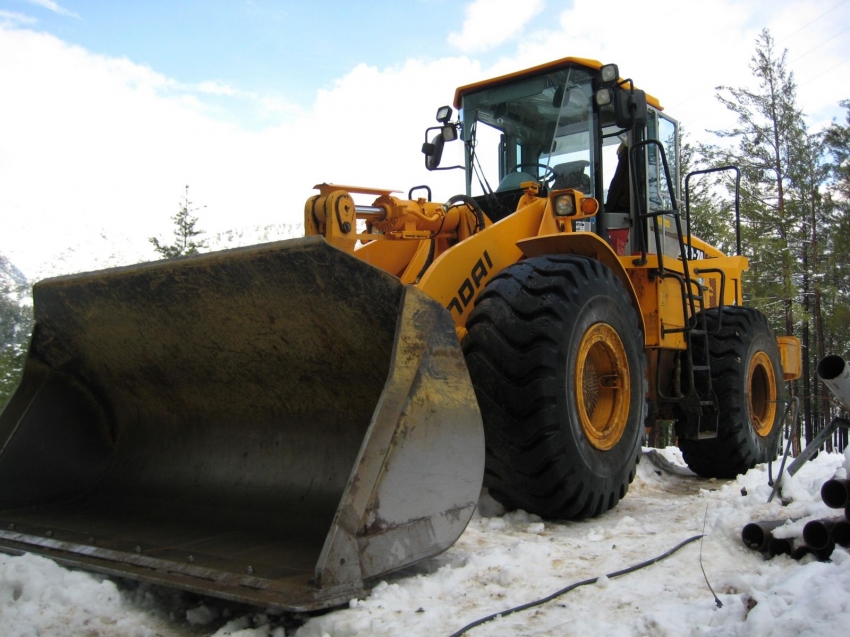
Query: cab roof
{"type": "Point", "coordinates": [536, 70]}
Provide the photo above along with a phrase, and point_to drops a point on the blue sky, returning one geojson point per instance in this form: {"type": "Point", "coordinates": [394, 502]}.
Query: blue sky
{"type": "Point", "coordinates": [261, 46]}
{"type": "Point", "coordinates": [109, 109]}
{"type": "Point", "coordinates": [279, 50]}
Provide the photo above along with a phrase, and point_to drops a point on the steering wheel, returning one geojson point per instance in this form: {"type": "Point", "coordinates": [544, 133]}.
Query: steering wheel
{"type": "Point", "coordinates": [548, 173]}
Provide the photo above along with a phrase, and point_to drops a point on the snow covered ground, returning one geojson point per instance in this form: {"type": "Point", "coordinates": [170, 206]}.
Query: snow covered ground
{"type": "Point", "coordinates": [504, 560]}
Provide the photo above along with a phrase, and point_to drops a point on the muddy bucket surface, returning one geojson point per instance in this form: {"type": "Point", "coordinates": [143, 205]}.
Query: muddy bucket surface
{"type": "Point", "coordinates": [274, 424]}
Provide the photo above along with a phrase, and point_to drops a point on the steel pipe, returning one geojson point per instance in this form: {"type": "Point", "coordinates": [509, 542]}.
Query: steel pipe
{"type": "Point", "coordinates": [818, 534]}
{"type": "Point", "coordinates": [757, 535]}
{"type": "Point", "coordinates": [835, 493]}
{"type": "Point", "coordinates": [841, 532]}
{"type": "Point", "coordinates": [802, 550]}
{"type": "Point", "coordinates": [778, 546]}
{"type": "Point", "coordinates": [370, 212]}
{"type": "Point", "coordinates": [835, 374]}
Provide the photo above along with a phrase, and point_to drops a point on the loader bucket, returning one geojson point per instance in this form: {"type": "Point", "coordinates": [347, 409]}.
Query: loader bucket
{"type": "Point", "coordinates": [277, 425]}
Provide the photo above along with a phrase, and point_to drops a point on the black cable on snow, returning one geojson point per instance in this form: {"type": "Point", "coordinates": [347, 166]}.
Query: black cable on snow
{"type": "Point", "coordinates": [717, 601]}
{"type": "Point", "coordinates": [540, 602]}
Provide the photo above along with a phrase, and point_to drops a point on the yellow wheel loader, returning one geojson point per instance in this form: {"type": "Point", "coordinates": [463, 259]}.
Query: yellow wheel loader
{"type": "Point", "coordinates": [282, 424]}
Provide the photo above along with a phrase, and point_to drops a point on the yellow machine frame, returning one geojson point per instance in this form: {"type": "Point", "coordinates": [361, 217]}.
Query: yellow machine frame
{"type": "Point", "coordinates": [283, 424]}
{"type": "Point", "coordinates": [402, 232]}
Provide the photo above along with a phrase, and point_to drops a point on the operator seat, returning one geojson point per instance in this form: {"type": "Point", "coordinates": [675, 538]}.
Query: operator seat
{"type": "Point", "coordinates": [571, 175]}
{"type": "Point", "coordinates": [513, 180]}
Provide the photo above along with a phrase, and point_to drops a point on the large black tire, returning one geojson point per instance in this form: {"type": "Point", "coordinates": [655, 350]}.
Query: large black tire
{"type": "Point", "coordinates": [746, 374]}
{"type": "Point", "coordinates": [543, 334]}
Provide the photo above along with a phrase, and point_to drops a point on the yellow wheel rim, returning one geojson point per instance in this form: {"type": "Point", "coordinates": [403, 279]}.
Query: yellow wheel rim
{"type": "Point", "coordinates": [602, 386]}
{"type": "Point", "coordinates": [761, 391]}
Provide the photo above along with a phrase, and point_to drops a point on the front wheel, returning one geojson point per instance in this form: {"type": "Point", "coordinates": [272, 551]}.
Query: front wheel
{"type": "Point", "coordinates": [746, 374]}
{"type": "Point", "coordinates": [555, 353]}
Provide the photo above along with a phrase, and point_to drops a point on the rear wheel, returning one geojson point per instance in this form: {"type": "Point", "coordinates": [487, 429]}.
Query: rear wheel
{"type": "Point", "coordinates": [746, 374]}
{"type": "Point", "coordinates": [556, 357]}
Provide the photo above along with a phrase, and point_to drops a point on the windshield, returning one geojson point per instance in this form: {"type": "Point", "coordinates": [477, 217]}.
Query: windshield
{"type": "Point", "coordinates": [538, 127]}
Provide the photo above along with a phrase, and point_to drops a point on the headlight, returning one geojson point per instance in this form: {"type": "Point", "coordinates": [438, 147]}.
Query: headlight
{"type": "Point", "coordinates": [444, 114]}
{"type": "Point", "coordinates": [604, 96]}
{"type": "Point", "coordinates": [565, 206]}
{"type": "Point", "coordinates": [609, 73]}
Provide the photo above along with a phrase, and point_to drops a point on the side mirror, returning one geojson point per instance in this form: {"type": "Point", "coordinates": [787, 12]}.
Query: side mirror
{"type": "Point", "coordinates": [558, 97]}
{"type": "Point", "coordinates": [630, 108]}
{"type": "Point", "coordinates": [629, 104]}
{"type": "Point", "coordinates": [433, 150]}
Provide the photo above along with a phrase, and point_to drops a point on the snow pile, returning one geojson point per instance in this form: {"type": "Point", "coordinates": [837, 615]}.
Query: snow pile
{"type": "Point", "coordinates": [499, 564]}
{"type": "Point", "coordinates": [39, 597]}
{"type": "Point", "coordinates": [507, 559]}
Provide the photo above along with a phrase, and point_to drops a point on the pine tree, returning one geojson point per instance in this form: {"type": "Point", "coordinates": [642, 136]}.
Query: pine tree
{"type": "Point", "coordinates": [807, 176]}
{"type": "Point", "coordinates": [835, 297]}
{"type": "Point", "coordinates": [712, 217]}
{"type": "Point", "coordinates": [769, 130]}
{"type": "Point", "coordinates": [781, 204]}
{"type": "Point", "coordinates": [15, 328]}
{"type": "Point", "coordinates": [185, 233]}
{"type": "Point", "coordinates": [837, 139]}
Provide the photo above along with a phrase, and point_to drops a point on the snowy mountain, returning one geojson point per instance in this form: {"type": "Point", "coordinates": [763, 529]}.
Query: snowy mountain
{"type": "Point", "coordinates": [12, 280]}
{"type": "Point", "coordinates": [101, 250]}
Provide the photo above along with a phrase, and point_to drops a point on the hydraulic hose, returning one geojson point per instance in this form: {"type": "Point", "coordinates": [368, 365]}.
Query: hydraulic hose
{"type": "Point", "coordinates": [476, 209]}
{"type": "Point", "coordinates": [428, 261]}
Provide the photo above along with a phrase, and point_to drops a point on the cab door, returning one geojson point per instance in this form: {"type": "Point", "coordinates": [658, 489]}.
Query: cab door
{"type": "Point", "coordinates": [657, 190]}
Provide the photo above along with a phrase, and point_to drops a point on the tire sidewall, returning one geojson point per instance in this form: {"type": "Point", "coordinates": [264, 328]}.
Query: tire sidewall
{"type": "Point", "coordinates": [611, 308]}
{"type": "Point", "coordinates": [763, 447]}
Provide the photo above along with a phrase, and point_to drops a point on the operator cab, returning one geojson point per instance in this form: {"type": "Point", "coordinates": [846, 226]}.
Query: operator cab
{"type": "Point", "coordinates": [536, 128]}
{"type": "Point", "coordinates": [567, 124]}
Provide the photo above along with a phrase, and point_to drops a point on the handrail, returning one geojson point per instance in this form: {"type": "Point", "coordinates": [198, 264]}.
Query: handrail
{"type": "Point", "coordinates": [737, 202]}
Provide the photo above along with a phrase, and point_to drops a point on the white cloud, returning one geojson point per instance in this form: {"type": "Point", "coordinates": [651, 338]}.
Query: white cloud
{"type": "Point", "coordinates": [215, 87]}
{"type": "Point", "coordinates": [52, 6]}
{"type": "Point", "coordinates": [96, 144]}
{"type": "Point", "coordinates": [12, 19]}
{"type": "Point", "coordinates": [687, 49]}
{"type": "Point", "coordinates": [278, 105]}
{"type": "Point", "coordinates": [489, 23]}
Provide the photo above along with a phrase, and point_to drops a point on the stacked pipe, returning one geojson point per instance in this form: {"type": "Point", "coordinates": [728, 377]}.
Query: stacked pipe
{"type": "Point", "coordinates": [819, 536]}
{"type": "Point", "coordinates": [759, 537]}
{"type": "Point", "coordinates": [823, 535]}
